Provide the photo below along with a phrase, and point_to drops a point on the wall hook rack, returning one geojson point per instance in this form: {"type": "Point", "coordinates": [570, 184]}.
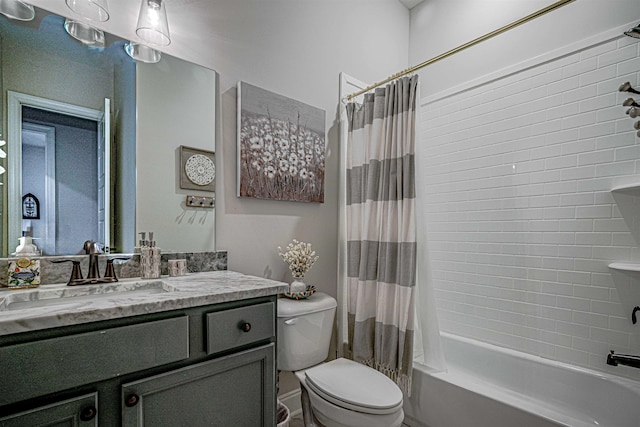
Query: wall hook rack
{"type": "Point", "coordinates": [200, 202]}
{"type": "Point", "coordinates": [634, 319]}
{"type": "Point", "coordinates": [626, 87]}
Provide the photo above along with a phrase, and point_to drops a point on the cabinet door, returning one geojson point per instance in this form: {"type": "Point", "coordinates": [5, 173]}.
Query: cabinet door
{"type": "Point", "coordinates": [236, 390]}
{"type": "Point", "coordinates": [78, 412]}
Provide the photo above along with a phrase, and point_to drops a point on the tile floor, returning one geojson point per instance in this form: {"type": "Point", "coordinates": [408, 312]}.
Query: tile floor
{"type": "Point", "coordinates": [297, 422]}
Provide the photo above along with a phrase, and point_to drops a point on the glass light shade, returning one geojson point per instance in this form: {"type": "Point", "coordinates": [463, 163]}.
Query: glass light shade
{"type": "Point", "coordinates": [95, 10]}
{"type": "Point", "coordinates": [153, 26]}
{"type": "Point", "coordinates": [633, 32]}
{"type": "Point", "coordinates": [2, 155]}
{"type": "Point", "coordinates": [16, 9]}
{"type": "Point", "coordinates": [141, 52]}
{"type": "Point", "coordinates": [84, 33]}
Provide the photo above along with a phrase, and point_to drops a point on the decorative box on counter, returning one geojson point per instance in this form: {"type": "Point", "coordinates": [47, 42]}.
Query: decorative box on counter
{"type": "Point", "coordinates": [24, 273]}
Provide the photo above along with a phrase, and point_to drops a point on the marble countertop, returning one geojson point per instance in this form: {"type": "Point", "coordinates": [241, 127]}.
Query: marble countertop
{"type": "Point", "coordinates": [52, 306]}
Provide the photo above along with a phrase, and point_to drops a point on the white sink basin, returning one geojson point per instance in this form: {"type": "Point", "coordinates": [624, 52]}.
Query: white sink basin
{"type": "Point", "coordinates": [46, 296]}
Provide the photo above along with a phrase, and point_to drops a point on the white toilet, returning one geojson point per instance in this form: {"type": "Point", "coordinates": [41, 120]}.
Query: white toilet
{"type": "Point", "coordinates": [339, 393]}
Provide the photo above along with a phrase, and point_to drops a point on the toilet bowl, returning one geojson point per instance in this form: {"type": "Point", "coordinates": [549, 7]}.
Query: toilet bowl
{"type": "Point", "coordinates": [346, 393]}
{"type": "Point", "coordinates": [339, 393]}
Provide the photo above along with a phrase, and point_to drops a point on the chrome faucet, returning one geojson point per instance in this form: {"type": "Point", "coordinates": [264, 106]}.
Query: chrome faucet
{"type": "Point", "coordinates": [623, 359]}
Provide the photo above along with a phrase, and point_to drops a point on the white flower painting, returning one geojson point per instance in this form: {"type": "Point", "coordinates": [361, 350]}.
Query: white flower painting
{"type": "Point", "coordinates": [281, 146]}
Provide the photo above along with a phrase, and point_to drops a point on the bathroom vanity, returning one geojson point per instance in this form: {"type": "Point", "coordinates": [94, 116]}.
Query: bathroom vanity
{"type": "Point", "coordinates": [192, 350]}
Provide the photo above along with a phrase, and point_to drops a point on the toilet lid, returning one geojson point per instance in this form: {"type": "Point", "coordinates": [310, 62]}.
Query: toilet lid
{"type": "Point", "coordinates": [352, 385]}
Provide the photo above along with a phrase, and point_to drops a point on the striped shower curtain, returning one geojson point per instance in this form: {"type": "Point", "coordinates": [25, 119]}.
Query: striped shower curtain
{"type": "Point", "coordinates": [381, 229]}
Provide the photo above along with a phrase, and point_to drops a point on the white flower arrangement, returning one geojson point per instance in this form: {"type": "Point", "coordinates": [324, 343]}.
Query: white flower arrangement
{"type": "Point", "coordinates": [299, 256]}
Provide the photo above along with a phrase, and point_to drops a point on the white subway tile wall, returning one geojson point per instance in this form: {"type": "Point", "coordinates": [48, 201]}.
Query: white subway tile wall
{"type": "Point", "coordinates": [515, 176]}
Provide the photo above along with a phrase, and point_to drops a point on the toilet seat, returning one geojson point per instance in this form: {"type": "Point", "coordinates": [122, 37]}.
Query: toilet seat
{"type": "Point", "coordinates": [355, 387]}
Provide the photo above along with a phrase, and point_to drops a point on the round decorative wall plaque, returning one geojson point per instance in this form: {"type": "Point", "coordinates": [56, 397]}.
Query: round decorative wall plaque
{"type": "Point", "coordinates": [200, 169]}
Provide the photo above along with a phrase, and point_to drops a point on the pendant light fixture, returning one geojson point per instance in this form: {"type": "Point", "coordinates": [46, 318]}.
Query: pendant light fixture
{"type": "Point", "coordinates": [153, 26]}
{"type": "Point", "coordinates": [3, 155]}
{"type": "Point", "coordinates": [94, 10]}
{"type": "Point", "coordinates": [143, 53]}
{"type": "Point", "coordinates": [84, 33]}
{"type": "Point", "coordinates": [633, 32]}
{"type": "Point", "coordinates": [17, 9]}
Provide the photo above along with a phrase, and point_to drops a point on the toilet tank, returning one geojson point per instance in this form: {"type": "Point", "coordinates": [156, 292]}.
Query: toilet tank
{"type": "Point", "coordinates": [304, 331]}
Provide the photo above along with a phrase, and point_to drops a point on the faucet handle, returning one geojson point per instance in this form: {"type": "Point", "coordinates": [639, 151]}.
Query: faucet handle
{"type": "Point", "coordinates": [109, 272]}
{"type": "Point", "coordinates": [91, 247]}
{"type": "Point", "coordinates": [76, 272]}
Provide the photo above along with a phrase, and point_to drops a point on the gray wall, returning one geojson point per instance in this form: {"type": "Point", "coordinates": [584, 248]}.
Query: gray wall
{"type": "Point", "coordinates": [123, 160]}
{"type": "Point", "coordinates": [440, 25]}
{"type": "Point", "coordinates": [297, 50]}
{"type": "Point", "coordinates": [76, 188]}
{"type": "Point", "coordinates": [175, 106]}
{"type": "Point", "coordinates": [37, 66]}
{"type": "Point", "coordinates": [33, 157]}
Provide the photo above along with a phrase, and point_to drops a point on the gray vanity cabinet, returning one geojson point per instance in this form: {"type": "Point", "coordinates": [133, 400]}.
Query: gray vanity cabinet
{"type": "Point", "coordinates": [211, 365]}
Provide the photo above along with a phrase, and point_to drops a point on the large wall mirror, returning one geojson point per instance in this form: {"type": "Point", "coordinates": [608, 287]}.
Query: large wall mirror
{"type": "Point", "coordinates": [94, 137]}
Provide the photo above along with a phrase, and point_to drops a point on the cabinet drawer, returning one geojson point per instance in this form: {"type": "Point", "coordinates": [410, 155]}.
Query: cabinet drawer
{"type": "Point", "coordinates": [236, 327]}
{"type": "Point", "coordinates": [46, 366]}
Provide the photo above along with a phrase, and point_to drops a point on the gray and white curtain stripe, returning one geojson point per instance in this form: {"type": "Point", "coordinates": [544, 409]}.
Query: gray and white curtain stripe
{"type": "Point", "coordinates": [381, 229]}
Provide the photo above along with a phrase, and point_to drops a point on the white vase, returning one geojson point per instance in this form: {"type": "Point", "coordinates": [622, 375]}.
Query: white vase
{"type": "Point", "coordinates": [297, 286]}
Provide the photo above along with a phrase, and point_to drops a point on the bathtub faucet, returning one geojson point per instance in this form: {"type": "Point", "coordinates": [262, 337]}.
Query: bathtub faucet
{"type": "Point", "coordinates": [623, 359]}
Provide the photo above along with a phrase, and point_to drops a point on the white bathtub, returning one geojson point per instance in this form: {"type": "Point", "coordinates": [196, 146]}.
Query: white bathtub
{"type": "Point", "coordinates": [489, 386]}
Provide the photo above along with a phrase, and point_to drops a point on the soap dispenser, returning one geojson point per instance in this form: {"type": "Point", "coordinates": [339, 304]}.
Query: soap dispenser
{"type": "Point", "coordinates": [26, 247]}
{"type": "Point", "coordinates": [150, 260]}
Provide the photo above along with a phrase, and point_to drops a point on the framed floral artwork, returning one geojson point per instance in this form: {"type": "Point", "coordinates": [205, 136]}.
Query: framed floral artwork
{"type": "Point", "coordinates": [281, 147]}
{"type": "Point", "coordinates": [197, 169]}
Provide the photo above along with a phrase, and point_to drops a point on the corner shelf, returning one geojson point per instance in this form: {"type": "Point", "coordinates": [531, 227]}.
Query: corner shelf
{"type": "Point", "coordinates": [630, 208]}
{"type": "Point", "coordinates": [621, 266]}
{"type": "Point", "coordinates": [631, 189]}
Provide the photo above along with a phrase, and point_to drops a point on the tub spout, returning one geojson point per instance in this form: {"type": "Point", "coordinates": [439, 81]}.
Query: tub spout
{"type": "Point", "coordinates": [623, 359]}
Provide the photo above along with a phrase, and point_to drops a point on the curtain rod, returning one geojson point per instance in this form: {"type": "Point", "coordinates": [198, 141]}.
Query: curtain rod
{"type": "Point", "coordinates": [473, 42]}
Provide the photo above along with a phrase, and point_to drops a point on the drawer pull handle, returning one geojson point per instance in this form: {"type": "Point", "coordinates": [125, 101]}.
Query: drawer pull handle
{"type": "Point", "coordinates": [131, 400]}
{"type": "Point", "coordinates": [88, 413]}
{"type": "Point", "coordinates": [245, 326]}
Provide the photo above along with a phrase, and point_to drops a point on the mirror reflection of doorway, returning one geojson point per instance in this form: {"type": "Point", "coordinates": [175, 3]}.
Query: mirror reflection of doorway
{"type": "Point", "coordinates": [38, 156]}
{"type": "Point", "coordinates": [71, 148]}
{"type": "Point", "coordinates": [60, 167]}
